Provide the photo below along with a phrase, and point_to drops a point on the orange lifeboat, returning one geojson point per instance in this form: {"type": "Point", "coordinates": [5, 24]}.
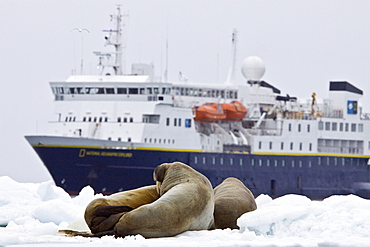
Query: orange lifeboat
{"type": "Point", "coordinates": [235, 111]}
{"type": "Point", "coordinates": [209, 112]}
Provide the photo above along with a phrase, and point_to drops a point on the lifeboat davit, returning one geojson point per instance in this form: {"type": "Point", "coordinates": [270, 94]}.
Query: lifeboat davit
{"type": "Point", "coordinates": [209, 112]}
{"type": "Point", "coordinates": [212, 112]}
{"type": "Point", "coordinates": [235, 111]}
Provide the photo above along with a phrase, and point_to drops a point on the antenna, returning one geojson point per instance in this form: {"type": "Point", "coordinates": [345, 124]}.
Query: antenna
{"type": "Point", "coordinates": [231, 75]}
{"type": "Point", "coordinates": [81, 30]}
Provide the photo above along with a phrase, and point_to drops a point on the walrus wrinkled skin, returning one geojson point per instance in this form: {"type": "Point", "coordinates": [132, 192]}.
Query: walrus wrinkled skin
{"type": "Point", "coordinates": [186, 202]}
{"type": "Point", "coordinates": [232, 199]}
{"type": "Point", "coordinates": [102, 214]}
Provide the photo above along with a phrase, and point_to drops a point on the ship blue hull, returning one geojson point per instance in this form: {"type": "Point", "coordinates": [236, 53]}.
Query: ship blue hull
{"type": "Point", "coordinates": [111, 170]}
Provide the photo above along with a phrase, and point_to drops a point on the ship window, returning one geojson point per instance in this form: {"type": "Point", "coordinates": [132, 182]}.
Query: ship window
{"type": "Point", "coordinates": [109, 138]}
{"type": "Point", "coordinates": [106, 119]}
{"type": "Point", "coordinates": [119, 119]}
{"type": "Point", "coordinates": [142, 90]}
{"type": "Point", "coordinates": [299, 127]}
{"type": "Point", "coordinates": [231, 161]}
{"type": "Point", "coordinates": [80, 90]}
{"type": "Point", "coordinates": [353, 127]}
{"type": "Point", "coordinates": [204, 160]}
{"type": "Point", "coordinates": [164, 141]}
{"type": "Point", "coordinates": [131, 119]}
{"type": "Point", "coordinates": [252, 162]}
{"type": "Point", "coordinates": [221, 161]}
{"type": "Point", "coordinates": [300, 163]}
{"type": "Point", "coordinates": [360, 128]}
{"type": "Point", "coordinates": [109, 90]}
{"type": "Point", "coordinates": [319, 161]}
{"type": "Point", "coordinates": [291, 146]}
{"type": "Point", "coordinates": [327, 161]}
{"type": "Point", "coordinates": [156, 90]}
{"type": "Point", "coordinates": [129, 139]}
{"type": "Point", "coordinates": [122, 90]}
{"type": "Point", "coordinates": [168, 121]}
{"type": "Point", "coordinates": [282, 145]}
{"type": "Point", "coordinates": [334, 126]}
{"type": "Point", "coordinates": [173, 141]}
{"type": "Point", "coordinates": [310, 147]}
{"type": "Point", "coordinates": [343, 161]}
{"type": "Point", "coordinates": [259, 145]}
{"type": "Point", "coordinates": [175, 122]}
{"type": "Point", "coordinates": [100, 119]}
{"type": "Point", "coordinates": [155, 140]}
{"type": "Point", "coordinates": [267, 163]}
{"type": "Point", "coordinates": [150, 140]}
{"type": "Point", "coordinates": [125, 120]}
{"type": "Point", "coordinates": [241, 162]}
{"type": "Point", "coordinates": [72, 90]}
{"type": "Point", "coordinates": [321, 125]}
{"type": "Point", "coordinates": [293, 163]}
{"type": "Point", "coordinates": [283, 163]}
{"type": "Point", "coordinates": [89, 119]}
{"type": "Point", "coordinates": [276, 163]}
{"type": "Point", "coordinates": [300, 146]}
{"type": "Point", "coordinates": [213, 160]}
{"type": "Point", "coordinates": [308, 128]}
{"type": "Point", "coordinates": [196, 160]}
{"type": "Point", "coordinates": [119, 139]}
{"type": "Point", "coordinates": [70, 119]}
{"type": "Point", "coordinates": [144, 139]}
{"type": "Point", "coordinates": [260, 162]}
{"type": "Point", "coordinates": [179, 122]}
{"type": "Point", "coordinates": [74, 119]}
{"type": "Point", "coordinates": [327, 125]}
{"type": "Point", "coordinates": [340, 126]}
{"type": "Point", "coordinates": [95, 119]}
{"type": "Point", "coordinates": [66, 119]}
{"type": "Point", "coordinates": [84, 119]}
{"type": "Point", "coordinates": [133, 91]}
{"type": "Point", "coordinates": [270, 145]}
{"type": "Point", "coordinates": [346, 127]}
{"type": "Point", "coordinates": [309, 164]}
{"type": "Point", "coordinates": [290, 127]}
{"type": "Point", "coordinates": [236, 94]}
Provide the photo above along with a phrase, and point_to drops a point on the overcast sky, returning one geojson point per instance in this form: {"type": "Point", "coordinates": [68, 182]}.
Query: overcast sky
{"type": "Point", "coordinates": [304, 45]}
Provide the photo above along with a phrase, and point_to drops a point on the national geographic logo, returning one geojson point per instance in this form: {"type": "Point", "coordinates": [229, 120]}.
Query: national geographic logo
{"type": "Point", "coordinates": [84, 153]}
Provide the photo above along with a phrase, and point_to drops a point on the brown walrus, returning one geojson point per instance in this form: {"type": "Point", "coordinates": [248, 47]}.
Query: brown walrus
{"type": "Point", "coordinates": [186, 202]}
{"type": "Point", "coordinates": [102, 214]}
{"type": "Point", "coordinates": [232, 199]}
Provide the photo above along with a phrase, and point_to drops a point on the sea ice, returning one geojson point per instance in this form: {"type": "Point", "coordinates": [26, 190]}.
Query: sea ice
{"type": "Point", "coordinates": [33, 213]}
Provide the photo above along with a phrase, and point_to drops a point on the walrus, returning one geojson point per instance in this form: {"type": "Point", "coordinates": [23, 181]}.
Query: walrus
{"type": "Point", "coordinates": [232, 199]}
{"type": "Point", "coordinates": [186, 202]}
{"type": "Point", "coordinates": [102, 214]}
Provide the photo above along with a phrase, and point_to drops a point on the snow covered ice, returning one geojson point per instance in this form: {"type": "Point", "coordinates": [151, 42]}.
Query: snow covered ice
{"type": "Point", "coordinates": [32, 214]}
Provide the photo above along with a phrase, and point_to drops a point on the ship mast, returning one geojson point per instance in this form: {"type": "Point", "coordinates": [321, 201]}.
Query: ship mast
{"type": "Point", "coordinates": [231, 75]}
{"type": "Point", "coordinates": [113, 38]}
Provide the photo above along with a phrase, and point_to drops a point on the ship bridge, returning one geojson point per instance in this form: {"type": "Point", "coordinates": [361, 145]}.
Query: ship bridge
{"type": "Point", "coordinates": [107, 88]}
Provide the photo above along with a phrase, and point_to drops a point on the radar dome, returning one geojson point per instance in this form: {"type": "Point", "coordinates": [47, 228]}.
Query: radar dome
{"type": "Point", "coordinates": [253, 68]}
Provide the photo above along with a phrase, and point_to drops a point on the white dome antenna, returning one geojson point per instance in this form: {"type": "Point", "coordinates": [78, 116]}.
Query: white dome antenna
{"type": "Point", "coordinates": [253, 68]}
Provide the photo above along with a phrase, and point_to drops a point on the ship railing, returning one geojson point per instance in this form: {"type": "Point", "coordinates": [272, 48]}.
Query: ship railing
{"type": "Point", "coordinates": [365, 116]}
{"type": "Point", "coordinates": [264, 132]}
{"type": "Point", "coordinates": [341, 150]}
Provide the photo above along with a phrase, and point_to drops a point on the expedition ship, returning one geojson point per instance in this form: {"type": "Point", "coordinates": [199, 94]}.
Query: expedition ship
{"type": "Point", "coordinates": [113, 130]}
